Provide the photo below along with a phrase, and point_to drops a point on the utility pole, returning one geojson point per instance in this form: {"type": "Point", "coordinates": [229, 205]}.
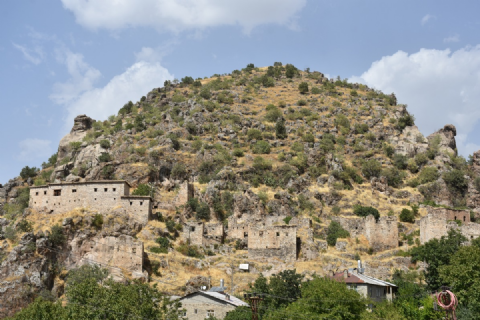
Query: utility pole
{"type": "Point", "coordinates": [254, 299]}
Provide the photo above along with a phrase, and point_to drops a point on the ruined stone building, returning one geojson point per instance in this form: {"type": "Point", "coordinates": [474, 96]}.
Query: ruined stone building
{"type": "Point", "coordinates": [273, 242]}
{"type": "Point", "coordinates": [203, 234]}
{"type": "Point", "coordinates": [439, 221]}
{"type": "Point", "coordinates": [381, 234]}
{"type": "Point", "coordinates": [96, 195]}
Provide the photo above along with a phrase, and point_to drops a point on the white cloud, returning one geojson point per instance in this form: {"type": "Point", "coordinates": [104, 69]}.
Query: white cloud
{"type": "Point", "coordinates": [82, 77]}
{"type": "Point", "coordinates": [99, 103]}
{"type": "Point", "coordinates": [426, 18]}
{"type": "Point", "coordinates": [34, 149]}
{"type": "Point", "coordinates": [439, 86]}
{"type": "Point", "coordinates": [179, 15]}
{"type": "Point", "coordinates": [34, 55]}
{"type": "Point", "coordinates": [454, 38]}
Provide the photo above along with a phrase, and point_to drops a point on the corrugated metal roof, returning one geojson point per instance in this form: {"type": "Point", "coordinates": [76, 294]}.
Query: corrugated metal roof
{"type": "Point", "coordinates": [220, 296]}
{"type": "Point", "coordinates": [361, 278]}
{"type": "Point", "coordinates": [217, 289]}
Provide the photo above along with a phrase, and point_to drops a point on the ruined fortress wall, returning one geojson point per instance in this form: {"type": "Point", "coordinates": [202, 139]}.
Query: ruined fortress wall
{"type": "Point", "coordinates": [96, 195]}
{"type": "Point", "coordinates": [449, 214]}
{"type": "Point", "coordinates": [470, 230]}
{"type": "Point", "coordinates": [236, 230]}
{"type": "Point", "coordinates": [381, 234]}
{"type": "Point", "coordinates": [274, 241]}
{"type": "Point", "coordinates": [193, 232]}
{"type": "Point", "coordinates": [101, 195]}
{"type": "Point", "coordinates": [433, 225]}
{"type": "Point", "coordinates": [354, 225]}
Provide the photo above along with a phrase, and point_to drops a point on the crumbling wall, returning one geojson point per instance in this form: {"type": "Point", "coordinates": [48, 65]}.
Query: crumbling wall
{"type": "Point", "coordinates": [275, 241]}
{"type": "Point", "coordinates": [381, 234]}
{"type": "Point", "coordinates": [213, 233]}
{"type": "Point", "coordinates": [193, 233]}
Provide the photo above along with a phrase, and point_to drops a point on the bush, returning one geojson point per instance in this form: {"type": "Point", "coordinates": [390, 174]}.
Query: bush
{"type": "Point", "coordinates": [428, 174]}
{"type": "Point", "coordinates": [10, 233]}
{"type": "Point", "coordinates": [273, 114]}
{"type": "Point", "coordinates": [309, 138]}
{"type": "Point", "coordinates": [366, 211]}
{"type": "Point", "coordinates": [316, 90]}
{"type": "Point", "coordinates": [421, 159]}
{"type": "Point", "coordinates": [280, 129]}
{"type": "Point", "coordinates": [389, 150]}
{"type": "Point", "coordinates": [260, 164]}
{"type": "Point", "coordinates": [237, 152]}
{"type": "Point", "coordinates": [361, 128]}
{"type": "Point", "coordinates": [456, 181]}
{"type": "Point", "coordinates": [287, 219]}
{"type": "Point", "coordinates": [400, 161]}
{"type": "Point", "coordinates": [394, 176]}
{"type": "Point", "coordinates": [407, 216]}
{"type": "Point", "coordinates": [412, 166]}
{"type": "Point", "coordinates": [301, 102]}
{"type": "Point", "coordinates": [105, 157]}
{"type": "Point", "coordinates": [105, 144]}
{"type": "Point", "coordinates": [254, 134]}
{"type": "Point", "coordinates": [179, 171]}
{"type": "Point", "coordinates": [97, 221]}
{"type": "Point", "coordinates": [56, 236]}
{"type": "Point", "coordinates": [342, 121]}
{"type": "Point", "coordinates": [476, 183]}
{"type": "Point", "coordinates": [261, 147]}
{"type": "Point", "coordinates": [405, 121]}
{"type": "Point", "coordinates": [107, 172]}
{"type": "Point", "coordinates": [371, 168]}
{"type": "Point", "coordinates": [25, 226]}
{"type": "Point", "coordinates": [28, 172]}
{"type": "Point", "coordinates": [142, 190]}
{"type": "Point", "coordinates": [303, 87]}
{"type": "Point", "coordinates": [334, 232]}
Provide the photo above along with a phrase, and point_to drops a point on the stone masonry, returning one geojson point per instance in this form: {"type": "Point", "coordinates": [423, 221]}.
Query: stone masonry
{"type": "Point", "coordinates": [381, 234]}
{"type": "Point", "coordinates": [274, 241]}
{"type": "Point", "coordinates": [203, 234]}
{"type": "Point", "coordinates": [96, 195]}
{"type": "Point", "coordinates": [439, 221]}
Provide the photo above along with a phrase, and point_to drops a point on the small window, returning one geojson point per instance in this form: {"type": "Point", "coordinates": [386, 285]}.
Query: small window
{"type": "Point", "coordinates": [57, 193]}
{"type": "Point", "coordinates": [184, 313]}
{"type": "Point", "coordinates": [36, 193]}
{"type": "Point", "coordinates": [114, 189]}
{"type": "Point", "coordinates": [210, 313]}
{"type": "Point", "coordinates": [114, 199]}
{"type": "Point", "coordinates": [95, 189]}
{"type": "Point", "coordinates": [134, 250]}
{"type": "Point", "coordinates": [278, 234]}
{"type": "Point", "coordinates": [260, 233]}
{"type": "Point", "coordinates": [74, 190]}
{"type": "Point", "coordinates": [44, 192]}
{"type": "Point", "coordinates": [141, 203]}
{"type": "Point", "coordinates": [131, 202]}
{"type": "Point", "coordinates": [192, 229]}
{"type": "Point", "coordinates": [195, 311]}
{"type": "Point", "coordinates": [455, 218]}
{"type": "Point", "coordinates": [286, 234]}
{"type": "Point", "coordinates": [464, 218]}
{"type": "Point", "coordinates": [105, 189]}
{"type": "Point", "coordinates": [245, 234]}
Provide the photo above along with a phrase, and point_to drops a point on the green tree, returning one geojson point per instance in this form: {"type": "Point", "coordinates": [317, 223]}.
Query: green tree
{"type": "Point", "coordinates": [456, 181]}
{"type": "Point", "coordinates": [463, 275]}
{"type": "Point", "coordinates": [303, 87]}
{"type": "Point", "coordinates": [56, 236]}
{"type": "Point", "coordinates": [261, 147]}
{"type": "Point", "coordinates": [42, 309]}
{"type": "Point", "coordinates": [371, 168]}
{"type": "Point", "coordinates": [366, 211]}
{"type": "Point", "coordinates": [332, 300]}
{"type": "Point", "coordinates": [143, 190]}
{"type": "Point", "coordinates": [28, 172]}
{"type": "Point", "coordinates": [240, 313]}
{"type": "Point", "coordinates": [407, 216]}
{"type": "Point", "coordinates": [334, 232]}
{"type": "Point", "coordinates": [437, 253]}
{"type": "Point", "coordinates": [281, 130]}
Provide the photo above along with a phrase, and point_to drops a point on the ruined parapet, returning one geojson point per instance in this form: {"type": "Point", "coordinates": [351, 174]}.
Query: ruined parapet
{"type": "Point", "coordinates": [213, 233]}
{"type": "Point", "coordinates": [439, 221]}
{"type": "Point", "coordinates": [193, 233]}
{"type": "Point", "coordinates": [381, 234]}
{"type": "Point", "coordinates": [275, 241]}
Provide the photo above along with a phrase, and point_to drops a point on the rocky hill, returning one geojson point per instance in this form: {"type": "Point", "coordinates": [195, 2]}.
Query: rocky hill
{"type": "Point", "coordinates": [261, 148]}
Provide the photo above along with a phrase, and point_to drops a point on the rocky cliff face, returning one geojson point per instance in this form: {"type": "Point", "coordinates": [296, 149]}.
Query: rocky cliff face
{"type": "Point", "coordinates": [234, 149]}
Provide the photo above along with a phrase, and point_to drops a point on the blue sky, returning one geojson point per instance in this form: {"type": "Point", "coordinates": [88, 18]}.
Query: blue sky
{"type": "Point", "coordinates": [60, 58]}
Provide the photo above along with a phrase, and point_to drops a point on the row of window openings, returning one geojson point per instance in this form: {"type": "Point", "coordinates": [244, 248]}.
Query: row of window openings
{"type": "Point", "coordinates": [245, 234]}
{"type": "Point", "coordinates": [131, 203]}
{"type": "Point", "coordinates": [57, 193]}
{"type": "Point", "coordinates": [210, 313]}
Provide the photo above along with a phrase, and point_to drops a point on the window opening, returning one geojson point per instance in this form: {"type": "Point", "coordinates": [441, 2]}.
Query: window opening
{"type": "Point", "coordinates": [57, 193]}
{"type": "Point", "coordinates": [141, 203]}
{"type": "Point", "coordinates": [36, 193]}
{"type": "Point", "coordinates": [74, 190]}
{"type": "Point", "coordinates": [278, 234]}
{"type": "Point", "coordinates": [95, 189]}
{"type": "Point", "coordinates": [114, 189]}
{"type": "Point", "coordinates": [44, 192]}
{"type": "Point", "coordinates": [105, 189]}
{"type": "Point", "coordinates": [192, 229]}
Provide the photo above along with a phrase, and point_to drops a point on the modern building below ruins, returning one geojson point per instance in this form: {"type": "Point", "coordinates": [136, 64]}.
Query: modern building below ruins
{"type": "Point", "coordinates": [96, 195]}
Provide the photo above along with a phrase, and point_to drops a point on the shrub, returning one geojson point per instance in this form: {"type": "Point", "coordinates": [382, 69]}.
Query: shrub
{"type": "Point", "coordinates": [303, 87]}
{"type": "Point", "coordinates": [353, 93]}
{"type": "Point", "coordinates": [254, 134]}
{"type": "Point", "coordinates": [97, 221]}
{"type": "Point", "coordinates": [107, 172]}
{"type": "Point", "coordinates": [316, 90]}
{"type": "Point", "coordinates": [407, 216]}
{"type": "Point", "coordinates": [366, 211]}
{"type": "Point", "coordinates": [290, 71]}
{"type": "Point", "coordinates": [304, 204]}
{"type": "Point", "coordinates": [261, 147]}
{"type": "Point", "coordinates": [361, 128]}
{"type": "Point", "coordinates": [197, 145]}
{"type": "Point", "coordinates": [10, 233]}
{"type": "Point", "coordinates": [389, 150]}
{"type": "Point", "coordinates": [287, 219]}
{"type": "Point", "coordinates": [301, 102]}
{"type": "Point", "coordinates": [203, 212]}
{"type": "Point", "coordinates": [170, 225]}
{"type": "Point", "coordinates": [142, 190]}
{"type": "Point", "coordinates": [205, 93]}
{"type": "Point", "coordinates": [297, 147]}
{"type": "Point", "coordinates": [421, 159]}
{"type": "Point", "coordinates": [138, 123]}
{"type": "Point", "coordinates": [28, 172]}
{"type": "Point", "coordinates": [428, 174]}
{"type": "Point", "coordinates": [309, 138]}
{"type": "Point", "coordinates": [456, 181]}
{"type": "Point", "coordinates": [25, 226]}
{"type": "Point", "coordinates": [105, 157]}
{"type": "Point", "coordinates": [56, 236]}
{"type": "Point", "coordinates": [282, 104]}
{"type": "Point", "coordinates": [400, 161]}
{"type": "Point", "coordinates": [371, 168]}
{"type": "Point", "coordinates": [334, 232]}
{"type": "Point", "coordinates": [237, 152]}
{"type": "Point", "coordinates": [394, 176]}
{"type": "Point", "coordinates": [260, 164]}
{"type": "Point", "coordinates": [412, 166]}
{"type": "Point", "coordinates": [127, 108]}
{"type": "Point", "coordinates": [405, 121]}
{"type": "Point", "coordinates": [75, 145]}
{"type": "Point", "coordinates": [105, 144]}
{"type": "Point", "coordinates": [187, 80]}
{"type": "Point", "coordinates": [179, 171]}
{"type": "Point", "coordinates": [300, 162]}
{"type": "Point", "coordinates": [273, 114]}
{"type": "Point", "coordinates": [342, 121]}
{"type": "Point", "coordinates": [476, 183]}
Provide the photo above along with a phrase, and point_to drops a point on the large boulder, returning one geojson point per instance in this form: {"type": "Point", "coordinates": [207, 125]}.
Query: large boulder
{"type": "Point", "coordinates": [81, 124]}
{"type": "Point", "coordinates": [447, 143]}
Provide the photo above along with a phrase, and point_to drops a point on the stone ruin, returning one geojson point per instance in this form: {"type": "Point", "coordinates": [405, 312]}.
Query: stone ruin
{"type": "Point", "coordinates": [439, 221]}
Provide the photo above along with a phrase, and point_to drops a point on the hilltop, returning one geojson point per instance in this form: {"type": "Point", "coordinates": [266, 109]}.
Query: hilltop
{"type": "Point", "coordinates": [259, 144]}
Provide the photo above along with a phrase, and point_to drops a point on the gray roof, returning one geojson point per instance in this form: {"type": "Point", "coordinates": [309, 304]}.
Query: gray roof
{"type": "Point", "coordinates": [217, 289]}
{"type": "Point", "coordinates": [234, 301]}
{"type": "Point", "coordinates": [374, 281]}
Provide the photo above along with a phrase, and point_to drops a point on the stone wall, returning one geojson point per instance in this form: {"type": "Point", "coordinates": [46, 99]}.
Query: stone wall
{"type": "Point", "coordinates": [439, 221]}
{"type": "Point", "coordinates": [275, 241]}
{"type": "Point", "coordinates": [196, 306]}
{"type": "Point", "coordinates": [96, 195]}
{"type": "Point", "coordinates": [381, 234]}
{"type": "Point", "coordinates": [203, 234]}
{"type": "Point", "coordinates": [193, 232]}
